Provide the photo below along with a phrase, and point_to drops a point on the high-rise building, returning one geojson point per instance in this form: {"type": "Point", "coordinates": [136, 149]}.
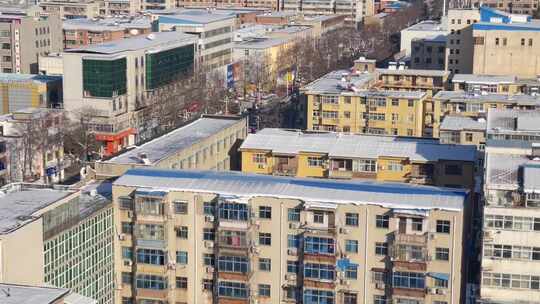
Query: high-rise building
{"type": "Point", "coordinates": [424, 29]}
{"type": "Point", "coordinates": [24, 37]}
{"type": "Point", "coordinates": [58, 237]}
{"type": "Point", "coordinates": [225, 237]}
{"type": "Point", "coordinates": [511, 215]}
{"type": "Point", "coordinates": [72, 9]}
{"type": "Point", "coordinates": [428, 53]}
{"type": "Point", "coordinates": [354, 10]}
{"type": "Point", "coordinates": [346, 156]}
{"type": "Point", "coordinates": [116, 80]}
{"type": "Point", "coordinates": [459, 46]}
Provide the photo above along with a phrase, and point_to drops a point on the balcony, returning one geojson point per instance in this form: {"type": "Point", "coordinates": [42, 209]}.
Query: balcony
{"type": "Point", "coordinates": [320, 257]}
{"type": "Point", "coordinates": [152, 293]}
{"type": "Point", "coordinates": [232, 241]}
{"type": "Point", "coordinates": [234, 276]}
{"type": "Point", "coordinates": [153, 244]}
{"type": "Point", "coordinates": [340, 174]}
{"type": "Point", "coordinates": [412, 239]}
{"type": "Point", "coordinates": [286, 166]}
{"type": "Point", "coordinates": [317, 283]}
{"type": "Point", "coordinates": [409, 292]}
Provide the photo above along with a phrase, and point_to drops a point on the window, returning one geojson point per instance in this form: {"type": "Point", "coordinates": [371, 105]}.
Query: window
{"type": "Point", "coordinates": [265, 264]}
{"type": "Point", "coordinates": [442, 254]}
{"type": "Point", "coordinates": [347, 99]}
{"type": "Point", "coordinates": [264, 290]}
{"type": "Point", "coordinates": [233, 290]}
{"type": "Point", "coordinates": [351, 246]}
{"type": "Point", "coordinates": [417, 224]}
{"type": "Point", "coordinates": [127, 278]}
{"type": "Point", "coordinates": [530, 42]}
{"type": "Point", "coordinates": [319, 245]}
{"type": "Point", "coordinates": [293, 241]}
{"type": "Point", "coordinates": [208, 284]}
{"type": "Point", "coordinates": [382, 221]}
{"type": "Point", "coordinates": [350, 298]}
{"type": "Point", "coordinates": [395, 166]}
{"type": "Point", "coordinates": [315, 161]}
{"type": "Point", "coordinates": [151, 256]}
{"type": "Point", "coordinates": [347, 114]}
{"type": "Point", "coordinates": [505, 280]}
{"type": "Point", "coordinates": [127, 300]}
{"type": "Point", "coordinates": [453, 169]}
{"type": "Point", "coordinates": [209, 234]}
{"type": "Point", "coordinates": [351, 272]}
{"type": "Point", "coordinates": [496, 41]}
{"type": "Point", "coordinates": [440, 283]}
{"type": "Point", "coordinates": [127, 253]}
{"type": "Point", "coordinates": [318, 217]}
{"type": "Point", "coordinates": [181, 257]}
{"type": "Point", "coordinates": [237, 264]}
{"type": "Point", "coordinates": [381, 248]}
{"type": "Point", "coordinates": [209, 208]}
{"type": "Point", "coordinates": [468, 137]}
{"type": "Point", "coordinates": [259, 158]}
{"type": "Point", "coordinates": [233, 211]}
{"type": "Point", "coordinates": [180, 207]}
{"type": "Point", "coordinates": [292, 266]}
{"type": "Point", "coordinates": [315, 296]}
{"type": "Point", "coordinates": [408, 280]}
{"type": "Point", "coordinates": [265, 212]}
{"type": "Point", "coordinates": [351, 219]}
{"type": "Point", "coordinates": [148, 281]}
{"type": "Point", "coordinates": [380, 300]}
{"type": "Point", "coordinates": [443, 226]}
{"type": "Point", "coordinates": [127, 227]}
{"type": "Point", "coordinates": [181, 282]}
{"type": "Point", "coordinates": [319, 271]}
{"type": "Point", "coordinates": [522, 41]}
{"type": "Point", "coordinates": [265, 239]}
{"type": "Point", "coordinates": [208, 259]}
{"type": "Point", "coordinates": [293, 214]}
{"type": "Point", "coordinates": [291, 293]}
{"type": "Point", "coordinates": [125, 202]}
{"type": "Point", "coordinates": [182, 232]}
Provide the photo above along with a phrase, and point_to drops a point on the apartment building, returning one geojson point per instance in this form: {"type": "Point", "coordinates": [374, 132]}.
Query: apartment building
{"type": "Point", "coordinates": [527, 7]}
{"type": "Point", "coordinates": [460, 46]}
{"type": "Point", "coordinates": [21, 91]}
{"type": "Point", "coordinates": [354, 10]}
{"type": "Point", "coordinates": [72, 9]}
{"type": "Point", "coordinates": [81, 32]}
{"type": "Point", "coordinates": [511, 217]}
{"type": "Point", "coordinates": [33, 146]}
{"type": "Point", "coordinates": [482, 84]}
{"type": "Point", "coordinates": [118, 79]}
{"type": "Point", "coordinates": [61, 238]}
{"type": "Point", "coordinates": [424, 29]}
{"type": "Point", "coordinates": [120, 8]}
{"type": "Point", "coordinates": [428, 53]}
{"type": "Point", "coordinates": [226, 237]}
{"type": "Point", "coordinates": [23, 37]}
{"type": "Point", "coordinates": [464, 130]}
{"type": "Point", "coordinates": [349, 156]}
{"type": "Point", "coordinates": [214, 32]}
{"type": "Point", "coordinates": [208, 143]}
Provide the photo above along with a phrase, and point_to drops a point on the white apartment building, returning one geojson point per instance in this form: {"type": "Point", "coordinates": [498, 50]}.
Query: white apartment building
{"type": "Point", "coordinates": [354, 10]}
{"type": "Point", "coordinates": [511, 246]}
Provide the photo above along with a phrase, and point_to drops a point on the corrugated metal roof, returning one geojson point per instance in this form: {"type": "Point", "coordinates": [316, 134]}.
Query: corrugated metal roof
{"type": "Point", "coordinates": [332, 82]}
{"type": "Point", "coordinates": [22, 294]}
{"type": "Point", "coordinates": [504, 120]}
{"type": "Point", "coordinates": [466, 97]}
{"type": "Point", "coordinates": [484, 79]}
{"type": "Point", "coordinates": [391, 195]}
{"type": "Point", "coordinates": [458, 123]}
{"type": "Point", "coordinates": [413, 72]}
{"type": "Point", "coordinates": [283, 141]}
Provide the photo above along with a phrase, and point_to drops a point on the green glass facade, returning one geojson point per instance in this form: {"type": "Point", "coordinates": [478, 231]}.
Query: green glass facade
{"type": "Point", "coordinates": [164, 67]}
{"type": "Point", "coordinates": [104, 78]}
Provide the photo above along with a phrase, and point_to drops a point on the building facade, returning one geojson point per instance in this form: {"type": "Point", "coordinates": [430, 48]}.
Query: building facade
{"type": "Point", "coordinates": [72, 9]}
{"type": "Point", "coordinates": [428, 53]}
{"type": "Point", "coordinates": [25, 37]}
{"type": "Point", "coordinates": [459, 47]}
{"type": "Point", "coordinates": [348, 156]}
{"type": "Point", "coordinates": [511, 217]}
{"type": "Point", "coordinates": [421, 30]}
{"type": "Point", "coordinates": [58, 237]}
{"type": "Point", "coordinates": [235, 238]}
{"type": "Point", "coordinates": [528, 7]}
{"type": "Point", "coordinates": [463, 130]}
{"type": "Point", "coordinates": [208, 143]}
{"type": "Point", "coordinates": [21, 91]}
{"type": "Point", "coordinates": [116, 80]}
{"type": "Point", "coordinates": [486, 84]}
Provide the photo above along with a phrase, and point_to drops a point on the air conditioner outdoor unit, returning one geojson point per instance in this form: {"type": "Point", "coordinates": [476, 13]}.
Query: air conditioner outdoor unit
{"type": "Point", "coordinates": [290, 277]}
{"type": "Point", "coordinates": [122, 237]}
{"type": "Point", "coordinates": [128, 263]}
{"type": "Point", "coordinates": [294, 225]}
{"type": "Point", "coordinates": [440, 291]}
{"type": "Point", "coordinates": [432, 290]}
{"type": "Point", "coordinates": [209, 218]}
{"type": "Point", "coordinates": [292, 251]}
{"type": "Point", "coordinates": [343, 230]}
{"type": "Point", "coordinates": [209, 269]}
{"type": "Point", "coordinates": [209, 244]}
{"type": "Point", "coordinates": [344, 282]}
{"type": "Point", "coordinates": [379, 285]}
{"type": "Point", "coordinates": [130, 214]}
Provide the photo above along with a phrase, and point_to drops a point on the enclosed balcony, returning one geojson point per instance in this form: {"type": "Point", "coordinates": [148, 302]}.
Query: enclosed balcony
{"type": "Point", "coordinates": [341, 168]}
{"type": "Point", "coordinates": [285, 165]}
{"type": "Point", "coordinates": [421, 174]}
{"type": "Point", "coordinates": [232, 240]}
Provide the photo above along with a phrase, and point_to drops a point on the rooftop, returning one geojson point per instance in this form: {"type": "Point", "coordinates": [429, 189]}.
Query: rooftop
{"type": "Point", "coordinates": [484, 79]}
{"type": "Point", "coordinates": [428, 25]}
{"type": "Point", "coordinates": [413, 72]}
{"type": "Point", "coordinates": [458, 123]}
{"type": "Point", "coordinates": [391, 195]}
{"type": "Point", "coordinates": [23, 294]}
{"type": "Point", "coordinates": [467, 97]}
{"type": "Point", "coordinates": [433, 38]}
{"type": "Point", "coordinates": [333, 83]}
{"type": "Point", "coordinates": [19, 204]}
{"type": "Point", "coordinates": [12, 77]}
{"type": "Point", "coordinates": [336, 145]}
{"type": "Point", "coordinates": [260, 43]}
{"type": "Point", "coordinates": [533, 26]}
{"type": "Point", "coordinates": [175, 141]}
{"type": "Point", "coordinates": [388, 93]}
{"type": "Point", "coordinates": [513, 121]}
{"type": "Point", "coordinates": [278, 14]}
{"type": "Point", "coordinates": [107, 24]}
{"type": "Point", "coordinates": [160, 40]}
{"type": "Point", "coordinates": [192, 16]}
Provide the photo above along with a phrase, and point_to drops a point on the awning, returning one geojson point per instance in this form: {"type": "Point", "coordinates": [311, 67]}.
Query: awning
{"type": "Point", "coordinates": [320, 205]}
{"type": "Point", "coordinates": [411, 212]}
{"type": "Point", "coordinates": [150, 192]}
{"type": "Point", "coordinates": [439, 276]}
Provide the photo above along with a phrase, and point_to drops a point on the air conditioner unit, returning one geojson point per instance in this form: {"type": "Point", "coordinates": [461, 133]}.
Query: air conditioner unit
{"type": "Point", "coordinates": [122, 237]}
{"type": "Point", "coordinates": [294, 225]}
{"type": "Point", "coordinates": [292, 251]}
{"type": "Point", "coordinates": [209, 244]}
{"type": "Point", "coordinates": [261, 166]}
{"type": "Point", "coordinates": [344, 231]}
{"type": "Point", "coordinates": [209, 269]}
{"type": "Point", "coordinates": [440, 291]}
{"type": "Point", "coordinates": [344, 282]}
{"type": "Point", "coordinates": [128, 263]}
{"type": "Point", "coordinates": [255, 250]}
{"type": "Point", "coordinates": [379, 285]}
{"type": "Point", "coordinates": [209, 218]}
{"type": "Point", "coordinates": [255, 222]}
{"type": "Point", "coordinates": [431, 290]}
{"type": "Point", "coordinates": [171, 266]}
{"type": "Point", "coordinates": [290, 277]}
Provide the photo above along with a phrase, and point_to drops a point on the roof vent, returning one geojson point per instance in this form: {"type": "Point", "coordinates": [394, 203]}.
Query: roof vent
{"type": "Point", "coordinates": [144, 158]}
{"type": "Point", "coordinates": [151, 37]}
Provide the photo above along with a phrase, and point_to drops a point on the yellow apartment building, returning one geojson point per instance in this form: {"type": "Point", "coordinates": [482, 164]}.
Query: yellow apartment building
{"type": "Point", "coordinates": [482, 84]}
{"type": "Point", "coordinates": [352, 156]}
{"type": "Point", "coordinates": [340, 101]}
{"type": "Point", "coordinates": [464, 130]}
{"type": "Point", "coordinates": [229, 237]}
{"type": "Point", "coordinates": [22, 91]}
{"type": "Point", "coordinates": [208, 143]}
